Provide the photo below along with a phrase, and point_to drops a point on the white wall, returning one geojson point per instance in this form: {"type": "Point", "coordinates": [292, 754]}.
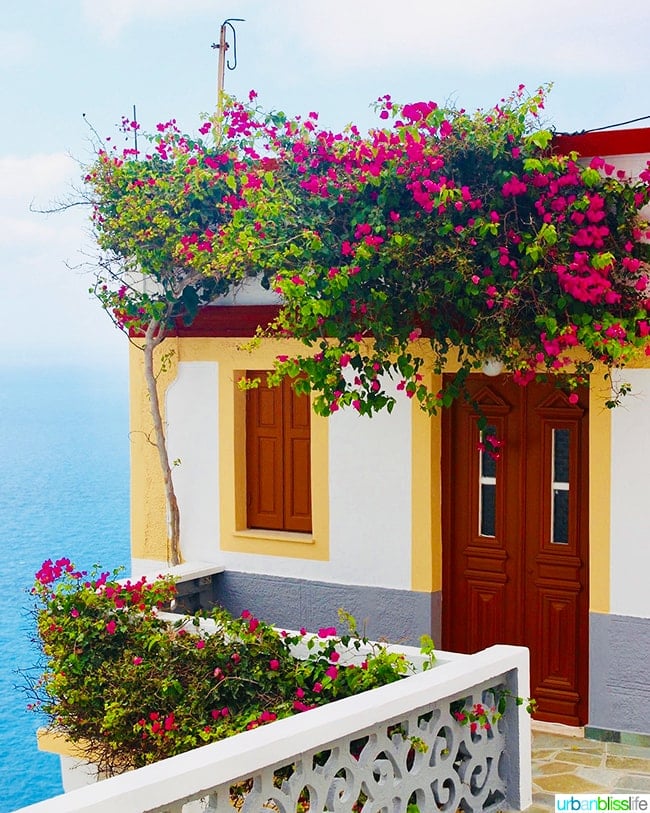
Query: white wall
{"type": "Point", "coordinates": [370, 496]}
{"type": "Point", "coordinates": [370, 489]}
{"type": "Point", "coordinates": [630, 499]}
{"type": "Point", "coordinates": [193, 439]}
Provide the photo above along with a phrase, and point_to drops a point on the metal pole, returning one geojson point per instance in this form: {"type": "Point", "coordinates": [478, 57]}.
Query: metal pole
{"type": "Point", "coordinates": [221, 68]}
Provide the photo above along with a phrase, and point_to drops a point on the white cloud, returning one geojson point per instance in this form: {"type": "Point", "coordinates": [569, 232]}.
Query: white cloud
{"type": "Point", "coordinates": [112, 16]}
{"type": "Point", "coordinates": [27, 185]}
{"type": "Point", "coordinates": [593, 36]}
{"type": "Point", "coordinates": [35, 178]}
{"type": "Point", "coordinates": [16, 48]}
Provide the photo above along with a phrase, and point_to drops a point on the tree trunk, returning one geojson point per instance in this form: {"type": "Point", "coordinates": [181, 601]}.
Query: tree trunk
{"type": "Point", "coordinates": [154, 335]}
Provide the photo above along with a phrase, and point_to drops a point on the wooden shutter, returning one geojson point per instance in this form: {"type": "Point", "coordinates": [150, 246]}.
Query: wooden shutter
{"type": "Point", "coordinates": [297, 460]}
{"type": "Point", "coordinates": [277, 457]}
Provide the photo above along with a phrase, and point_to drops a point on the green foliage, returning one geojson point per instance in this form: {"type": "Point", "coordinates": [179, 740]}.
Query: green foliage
{"type": "Point", "coordinates": [130, 688]}
{"type": "Point", "coordinates": [440, 235]}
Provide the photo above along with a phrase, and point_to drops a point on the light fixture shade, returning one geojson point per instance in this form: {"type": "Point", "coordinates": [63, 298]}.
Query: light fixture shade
{"type": "Point", "coordinates": [492, 367]}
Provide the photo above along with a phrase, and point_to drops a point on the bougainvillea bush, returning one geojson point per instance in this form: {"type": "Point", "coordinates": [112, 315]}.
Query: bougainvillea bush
{"type": "Point", "coordinates": [463, 230]}
{"type": "Point", "coordinates": [129, 687]}
{"type": "Point", "coordinates": [438, 236]}
{"type": "Point", "coordinates": [467, 232]}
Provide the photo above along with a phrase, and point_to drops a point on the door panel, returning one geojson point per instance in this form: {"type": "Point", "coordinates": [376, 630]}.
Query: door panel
{"type": "Point", "coordinates": [515, 536]}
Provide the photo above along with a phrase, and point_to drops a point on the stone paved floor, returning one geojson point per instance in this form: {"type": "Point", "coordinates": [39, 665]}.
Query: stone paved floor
{"type": "Point", "coordinates": [563, 764]}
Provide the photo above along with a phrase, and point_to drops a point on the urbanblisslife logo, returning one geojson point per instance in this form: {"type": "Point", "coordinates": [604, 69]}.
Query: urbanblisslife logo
{"type": "Point", "coordinates": [568, 803]}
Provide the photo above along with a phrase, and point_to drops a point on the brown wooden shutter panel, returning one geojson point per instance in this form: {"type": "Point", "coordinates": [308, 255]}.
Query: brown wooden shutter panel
{"type": "Point", "coordinates": [297, 460]}
{"type": "Point", "coordinates": [264, 452]}
{"type": "Point", "coordinates": [278, 457]}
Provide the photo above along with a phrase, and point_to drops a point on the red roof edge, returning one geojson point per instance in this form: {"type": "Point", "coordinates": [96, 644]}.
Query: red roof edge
{"type": "Point", "coordinates": [605, 142]}
{"type": "Point", "coordinates": [227, 321]}
{"type": "Point", "coordinates": [239, 321]}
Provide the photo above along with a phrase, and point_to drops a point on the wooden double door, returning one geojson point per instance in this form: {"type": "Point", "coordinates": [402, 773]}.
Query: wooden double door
{"type": "Point", "coordinates": [515, 535]}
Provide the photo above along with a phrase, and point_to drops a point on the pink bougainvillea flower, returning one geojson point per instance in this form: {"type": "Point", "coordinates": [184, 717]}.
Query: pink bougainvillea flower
{"type": "Point", "coordinates": [137, 660]}
{"type": "Point", "coordinates": [317, 688]}
{"type": "Point", "coordinates": [110, 627]}
{"type": "Point", "coordinates": [325, 632]}
{"type": "Point", "coordinates": [274, 664]}
{"type": "Point", "coordinates": [332, 672]}
{"type": "Point", "coordinates": [200, 643]}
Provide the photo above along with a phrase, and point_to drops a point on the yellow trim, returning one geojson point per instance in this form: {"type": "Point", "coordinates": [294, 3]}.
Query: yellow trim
{"type": "Point", "coordinates": [54, 742]}
{"type": "Point", "coordinates": [600, 468]}
{"type": "Point", "coordinates": [426, 534]}
{"type": "Point", "coordinates": [148, 506]}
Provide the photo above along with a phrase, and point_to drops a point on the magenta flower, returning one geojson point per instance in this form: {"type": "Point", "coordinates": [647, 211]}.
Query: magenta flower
{"type": "Point", "coordinates": [318, 688]}
{"type": "Point", "coordinates": [274, 665]}
{"type": "Point", "coordinates": [137, 660]}
{"type": "Point", "coordinates": [200, 644]}
{"type": "Point", "coordinates": [332, 672]}
{"type": "Point", "coordinates": [110, 627]}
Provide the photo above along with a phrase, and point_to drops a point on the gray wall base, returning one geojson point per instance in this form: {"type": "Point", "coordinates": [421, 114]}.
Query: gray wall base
{"type": "Point", "coordinates": [398, 616]}
{"type": "Point", "coordinates": [619, 683]}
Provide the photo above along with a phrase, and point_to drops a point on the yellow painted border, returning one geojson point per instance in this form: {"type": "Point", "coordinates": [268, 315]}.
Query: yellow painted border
{"type": "Point", "coordinates": [426, 500]}
{"type": "Point", "coordinates": [600, 489]}
{"type": "Point", "coordinates": [149, 537]}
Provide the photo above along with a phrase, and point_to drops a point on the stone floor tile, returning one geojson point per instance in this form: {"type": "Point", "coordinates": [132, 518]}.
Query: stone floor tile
{"type": "Point", "coordinates": [633, 782]}
{"type": "Point", "coordinates": [628, 764]}
{"type": "Point", "coordinates": [549, 768]}
{"type": "Point", "coordinates": [567, 783]}
{"type": "Point", "coordinates": [624, 750]}
{"type": "Point", "coordinates": [581, 758]}
{"type": "Point", "coordinates": [543, 739]}
{"type": "Point", "coordinates": [599, 776]}
{"type": "Point", "coordinates": [543, 801]}
{"type": "Point", "coordinates": [576, 744]}
{"type": "Point", "coordinates": [541, 754]}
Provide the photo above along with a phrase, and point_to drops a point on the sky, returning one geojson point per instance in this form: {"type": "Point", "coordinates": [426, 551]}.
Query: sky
{"type": "Point", "coordinates": [69, 65]}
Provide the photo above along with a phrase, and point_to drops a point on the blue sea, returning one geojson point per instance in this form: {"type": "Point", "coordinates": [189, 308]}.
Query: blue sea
{"type": "Point", "coordinates": [64, 474]}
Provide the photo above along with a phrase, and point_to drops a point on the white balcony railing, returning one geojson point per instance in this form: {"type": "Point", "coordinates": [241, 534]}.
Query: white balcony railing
{"type": "Point", "coordinates": [354, 754]}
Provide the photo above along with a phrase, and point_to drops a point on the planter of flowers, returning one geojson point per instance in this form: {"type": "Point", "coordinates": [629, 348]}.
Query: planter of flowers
{"type": "Point", "coordinates": [128, 685]}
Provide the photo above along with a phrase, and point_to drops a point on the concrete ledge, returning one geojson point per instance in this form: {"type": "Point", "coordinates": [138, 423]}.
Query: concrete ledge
{"type": "Point", "coordinates": [183, 572]}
